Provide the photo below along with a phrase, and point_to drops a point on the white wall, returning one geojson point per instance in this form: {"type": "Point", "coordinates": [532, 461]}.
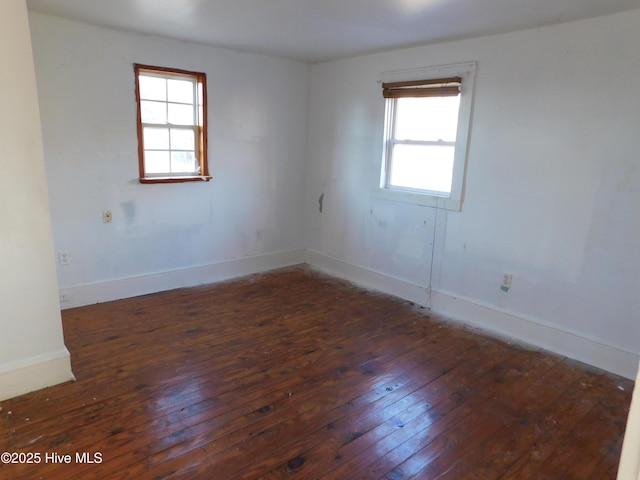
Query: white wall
{"type": "Point", "coordinates": [249, 217]}
{"type": "Point", "coordinates": [552, 189]}
{"type": "Point", "coordinates": [629, 467]}
{"type": "Point", "coordinates": [32, 351]}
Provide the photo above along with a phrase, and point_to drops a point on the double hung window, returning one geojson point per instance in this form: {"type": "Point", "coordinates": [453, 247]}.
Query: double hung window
{"type": "Point", "coordinates": [425, 139]}
{"type": "Point", "coordinates": [172, 125]}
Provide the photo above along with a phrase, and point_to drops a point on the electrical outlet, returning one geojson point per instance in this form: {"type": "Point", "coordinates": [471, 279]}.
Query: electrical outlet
{"type": "Point", "coordinates": [107, 217]}
{"type": "Point", "coordinates": [507, 280]}
{"type": "Point", "coordinates": [64, 258]}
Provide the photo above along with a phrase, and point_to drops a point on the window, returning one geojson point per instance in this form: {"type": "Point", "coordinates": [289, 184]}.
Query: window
{"type": "Point", "coordinates": [425, 138]}
{"type": "Point", "coordinates": [172, 125]}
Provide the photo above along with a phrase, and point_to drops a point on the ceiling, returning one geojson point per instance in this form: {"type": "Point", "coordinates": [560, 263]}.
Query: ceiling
{"type": "Point", "coordinates": [320, 30]}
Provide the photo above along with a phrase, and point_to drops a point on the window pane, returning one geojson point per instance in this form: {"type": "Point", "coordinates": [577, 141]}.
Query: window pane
{"type": "Point", "coordinates": [156, 138]}
{"type": "Point", "coordinates": [153, 112]}
{"type": "Point", "coordinates": [182, 139]}
{"type": "Point", "coordinates": [152, 88]}
{"type": "Point", "coordinates": [180, 91]}
{"type": "Point", "coordinates": [156, 162]}
{"type": "Point", "coordinates": [184, 162]}
{"type": "Point", "coordinates": [429, 118]}
{"type": "Point", "coordinates": [181, 114]}
{"type": "Point", "coordinates": [422, 167]}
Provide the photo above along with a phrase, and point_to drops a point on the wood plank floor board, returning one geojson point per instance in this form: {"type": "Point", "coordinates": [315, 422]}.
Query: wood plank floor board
{"type": "Point", "coordinates": [425, 401]}
{"type": "Point", "coordinates": [554, 426]}
{"type": "Point", "coordinates": [500, 451]}
{"type": "Point", "coordinates": [362, 416]}
{"type": "Point", "coordinates": [293, 373]}
{"type": "Point", "coordinates": [377, 387]}
{"type": "Point", "coordinates": [516, 374]}
{"type": "Point", "coordinates": [395, 359]}
{"type": "Point", "coordinates": [603, 470]}
{"type": "Point", "coordinates": [233, 383]}
{"type": "Point", "coordinates": [578, 455]}
{"type": "Point", "coordinates": [478, 406]}
{"type": "Point", "coordinates": [443, 397]}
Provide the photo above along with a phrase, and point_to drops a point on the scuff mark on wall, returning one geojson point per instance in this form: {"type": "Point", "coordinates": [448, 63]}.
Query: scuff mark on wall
{"type": "Point", "coordinates": [129, 210]}
{"type": "Point", "coordinates": [320, 202]}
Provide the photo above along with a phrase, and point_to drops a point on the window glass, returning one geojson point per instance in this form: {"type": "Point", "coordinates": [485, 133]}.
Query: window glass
{"type": "Point", "coordinates": [183, 161]}
{"type": "Point", "coordinates": [157, 161]}
{"type": "Point", "coordinates": [428, 118]}
{"type": "Point", "coordinates": [156, 138]}
{"type": "Point", "coordinates": [182, 140]}
{"type": "Point", "coordinates": [181, 114]}
{"type": "Point", "coordinates": [422, 146]}
{"type": "Point", "coordinates": [153, 88]}
{"type": "Point", "coordinates": [424, 167]}
{"type": "Point", "coordinates": [153, 112]}
{"type": "Point", "coordinates": [180, 91]}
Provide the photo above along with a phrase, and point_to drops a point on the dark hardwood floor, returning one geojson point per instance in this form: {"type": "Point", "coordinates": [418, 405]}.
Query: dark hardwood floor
{"type": "Point", "coordinates": [295, 374]}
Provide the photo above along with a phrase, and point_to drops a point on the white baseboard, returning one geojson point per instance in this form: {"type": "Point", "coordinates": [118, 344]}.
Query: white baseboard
{"type": "Point", "coordinates": [18, 378]}
{"type": "Point", "coordinates": [115, 289]}
{"type": "Point", "coordinates": [367, 278]}
{"type": "Point", "coordinates": [491, 318]}
{"type": "Point", "coordinates": [536, 332]}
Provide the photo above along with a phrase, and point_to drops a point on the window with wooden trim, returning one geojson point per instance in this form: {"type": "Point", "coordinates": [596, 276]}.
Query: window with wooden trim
{"type": "Point", "coordinates": [172, 125]}
{"type": "Point", "coordinates": [425, 138]}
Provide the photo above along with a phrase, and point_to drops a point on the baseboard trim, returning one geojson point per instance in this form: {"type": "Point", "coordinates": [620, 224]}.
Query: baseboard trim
{"type": "Point", "coordinates": [18, 378]}
{"type": "Point", "coordinates": [536, 332]}
{"type": "Point", "coordinates": [115, 289]}
{"type": "Point", "coordinates": [367, 278]}
{"type": "Point", "coordinates": [493, 319]}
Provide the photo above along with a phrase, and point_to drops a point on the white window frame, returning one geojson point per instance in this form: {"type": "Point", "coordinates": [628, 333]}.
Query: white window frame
{"type": "Point", "coordinates": [452, 201]}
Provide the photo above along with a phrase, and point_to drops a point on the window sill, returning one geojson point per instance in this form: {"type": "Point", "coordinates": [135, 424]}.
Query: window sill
{"type": "Point", "coordinates": [195, 178]}
{"type": "Point", "coordinates": [418, 199]}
